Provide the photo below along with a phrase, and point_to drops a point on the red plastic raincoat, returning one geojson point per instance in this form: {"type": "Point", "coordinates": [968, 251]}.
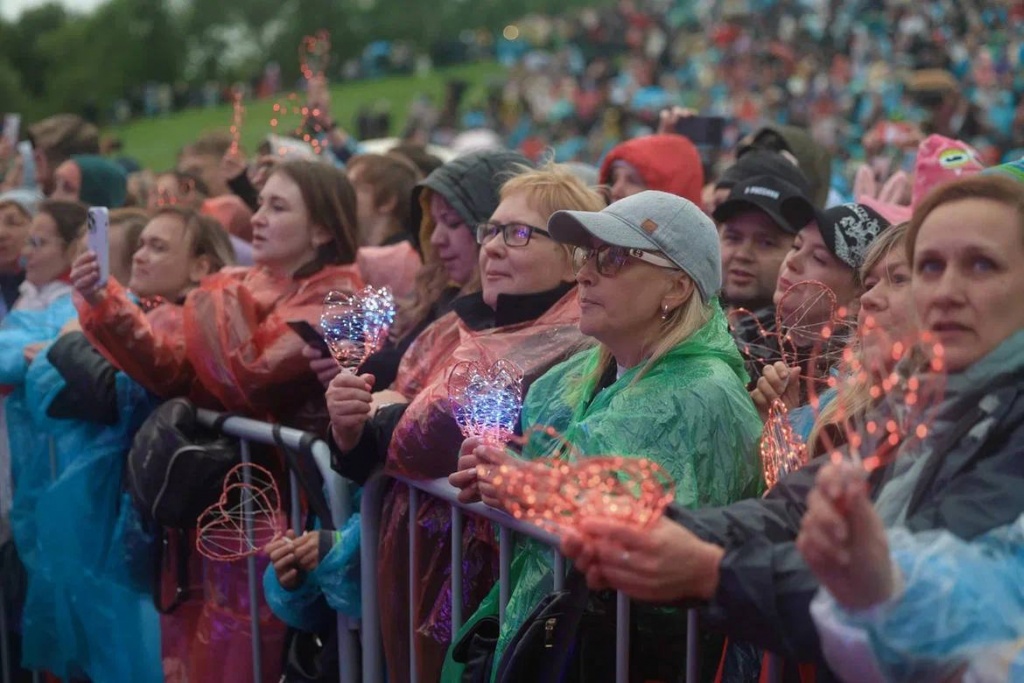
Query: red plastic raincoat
{"type": "Point", "coordinates": [425, 444]}
{"type": "Point", "coordinates": [231, 349]}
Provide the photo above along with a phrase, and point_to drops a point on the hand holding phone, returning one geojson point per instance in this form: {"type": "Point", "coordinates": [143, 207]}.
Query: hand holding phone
{"type": "Point", "coordinates": [98, 239]}
{"type": "Point", "coordinates": [703, 131]}
{"type": "Point", "coordinates": [310, 335]}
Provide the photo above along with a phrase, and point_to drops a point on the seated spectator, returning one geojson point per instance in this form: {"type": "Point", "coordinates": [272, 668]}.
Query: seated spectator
{"type": "Point", "coordinates": [527, 313]}
{"type": "Point", "coordinates": [648, 268]}
{"type": "Point", "coordinates": [741, 560]}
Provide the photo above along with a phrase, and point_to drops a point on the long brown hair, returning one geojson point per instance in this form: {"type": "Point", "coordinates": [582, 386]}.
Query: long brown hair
{"type": "Point", "coordinates": [431, 280]}
{"type": "Point", "coordinates": [331, 204]}
{"type": "Point", "coordinates": [69, 217]}
{"type": "Point", "coordinates": [853, 399]}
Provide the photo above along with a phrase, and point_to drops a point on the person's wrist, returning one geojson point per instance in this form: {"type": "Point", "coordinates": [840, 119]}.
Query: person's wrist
{"type": "Point", "coordinates": [709, 558]}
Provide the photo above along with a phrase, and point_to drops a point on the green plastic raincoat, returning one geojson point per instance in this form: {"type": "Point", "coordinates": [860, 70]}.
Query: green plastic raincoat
{"type": "Point", "coordinates": [690, 413]}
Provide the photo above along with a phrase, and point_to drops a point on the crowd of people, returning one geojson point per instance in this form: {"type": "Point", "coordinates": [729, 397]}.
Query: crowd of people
{"type": "Point", "coordinates": [672, 303]}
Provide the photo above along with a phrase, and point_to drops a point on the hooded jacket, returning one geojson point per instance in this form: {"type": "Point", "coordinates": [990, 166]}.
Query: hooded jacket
{"type": "Point", "coordinates": [814, 161]}
{"type": "Point", "coordinates": [690, 413]}
{"type": "Point", "coordinates": [471, 184]}
{"type": "Point", "coordinates": [668, 163]}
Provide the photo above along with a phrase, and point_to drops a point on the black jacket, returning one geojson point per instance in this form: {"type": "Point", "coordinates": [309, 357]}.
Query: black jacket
{"type": "Point", "coordinates": [371, 451]}
{"type": "Point", "coordinates": [90, 391]}
{"type": "Point", "coordinates": [973, 482]}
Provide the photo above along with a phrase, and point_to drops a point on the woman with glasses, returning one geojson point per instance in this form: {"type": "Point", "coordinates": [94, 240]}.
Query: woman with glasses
{"type": "Point", "coordinates": [527, 313]}
{"type": "Point", "coordinates": [666, 382]}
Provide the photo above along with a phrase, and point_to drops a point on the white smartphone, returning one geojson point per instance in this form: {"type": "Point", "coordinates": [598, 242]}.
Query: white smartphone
{"type": "Point", "coordinates": [98, 226]}
{"type": "Point", "coordinates": [12, 128]}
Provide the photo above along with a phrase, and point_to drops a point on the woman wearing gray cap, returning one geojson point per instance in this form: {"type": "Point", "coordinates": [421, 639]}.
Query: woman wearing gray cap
{"type": "Point", "coordinates": [666, 383]}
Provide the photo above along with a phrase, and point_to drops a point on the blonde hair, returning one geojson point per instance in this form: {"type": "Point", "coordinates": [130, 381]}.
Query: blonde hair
{"type": "Point", "coordinates": [678, 326]}
{"type": "Point", "coordinates": [853, 399]}
{"type": "Point", "coordinates": [548, 189]}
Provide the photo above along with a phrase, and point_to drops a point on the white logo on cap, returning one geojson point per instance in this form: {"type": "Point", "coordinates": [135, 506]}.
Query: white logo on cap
{"type": "Point", "coordinates": [854, 233]}
{"type": "Point", "coordinates": [762, 191]}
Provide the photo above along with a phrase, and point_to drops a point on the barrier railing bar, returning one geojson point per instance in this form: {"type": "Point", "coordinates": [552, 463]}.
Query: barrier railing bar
{"type": "Point", "coordinates": [246, 430]}
{"type": "Point", "coordinates": [692, 652]}
{"type": "Point", "coordinates": [559, 564]}
{"type": "Point", "coordinates": [414, 507]}
{"type": "Point", "coordinates": [5, 654]}
{"type": "Point", "coordinates": [440, 488]}
{"type": "Point", "coordinates": [340, 502]}
{"type": "Point", "coordinates": [254, 607]}
{"type": "Point", "coordinates": [295, 520]}
{"type": "Point", "coordinates": [456, 570]}
{"type": "Point", "coordinates": [369, 528]}
{"type": "Point", "coordinates": [621, 638]}
{"type": "Point", "coordinates": [504, 571]}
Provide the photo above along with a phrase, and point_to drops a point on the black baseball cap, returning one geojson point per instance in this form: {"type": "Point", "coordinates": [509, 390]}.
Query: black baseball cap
{"type": "Point", "coordinates": [849, 229]}
{"type": "Point", "coordinates": [761, 162]}
{"type": "Point", "coordinates": [785, 203]}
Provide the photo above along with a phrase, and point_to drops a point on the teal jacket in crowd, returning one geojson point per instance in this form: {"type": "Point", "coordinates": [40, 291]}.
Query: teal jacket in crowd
{"type": "Point", "coordinates": [89, 610]}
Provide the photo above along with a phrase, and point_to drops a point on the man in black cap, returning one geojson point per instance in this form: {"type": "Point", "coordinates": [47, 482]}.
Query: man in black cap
{"type": "Point", "coordinates": [758, 223]}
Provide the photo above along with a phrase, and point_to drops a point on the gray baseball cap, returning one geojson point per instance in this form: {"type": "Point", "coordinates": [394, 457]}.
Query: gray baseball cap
{"type": "Point", "coordinates": [652, 221]}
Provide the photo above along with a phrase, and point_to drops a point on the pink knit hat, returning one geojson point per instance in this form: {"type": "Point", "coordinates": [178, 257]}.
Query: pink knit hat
{"type": "Point", "coordinates": [939, 161]}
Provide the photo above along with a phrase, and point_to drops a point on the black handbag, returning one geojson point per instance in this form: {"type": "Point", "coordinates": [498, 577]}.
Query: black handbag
{"type": "Point", "coordinates": [541, 649]}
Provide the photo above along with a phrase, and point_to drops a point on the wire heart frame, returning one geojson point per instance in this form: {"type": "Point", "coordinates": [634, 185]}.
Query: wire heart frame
{"type": "Point", "coordinates": [486, 402]}
{"type": "Point", "coordinates": [356, 325]}
{"type": "Point", "coordinates": [904, 394]}
{"type": "Point", "coordinates": [246, 518]}
{"type": "Point", "coordinates": [810, 331]}
{"type": "Point", "coordinates": [782, 451]}
{"type": "Point", "coordinates": [557, 493]}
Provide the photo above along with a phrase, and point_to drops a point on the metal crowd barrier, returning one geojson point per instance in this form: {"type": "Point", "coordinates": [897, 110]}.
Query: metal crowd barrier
{"type": "Point", "coordinates": [373, 491]}
{"type": "Point", "coordinates": [294, 441]}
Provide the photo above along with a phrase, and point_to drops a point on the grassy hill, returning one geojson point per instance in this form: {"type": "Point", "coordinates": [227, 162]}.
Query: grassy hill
{"type": "Point", "coordinates": [155, 142]}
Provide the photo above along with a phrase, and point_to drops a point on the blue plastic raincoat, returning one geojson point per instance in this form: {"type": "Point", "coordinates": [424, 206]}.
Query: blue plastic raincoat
{"type": "Point", "coordinates": [961, 604]}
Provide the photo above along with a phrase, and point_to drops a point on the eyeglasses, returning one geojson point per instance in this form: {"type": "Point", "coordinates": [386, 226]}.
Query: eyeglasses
{"type": "Point", "coordinates": [514, 234]}
{"type": "Point", "coordinates": [611, 258]}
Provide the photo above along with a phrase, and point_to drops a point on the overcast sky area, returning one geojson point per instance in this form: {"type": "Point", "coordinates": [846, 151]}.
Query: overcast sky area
{"type": "Point", "coordinates": [11, 9]}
